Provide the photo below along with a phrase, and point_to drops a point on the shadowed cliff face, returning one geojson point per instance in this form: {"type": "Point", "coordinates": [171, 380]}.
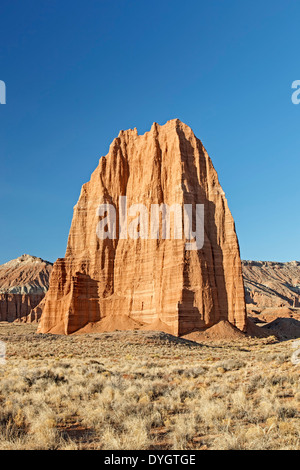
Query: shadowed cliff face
{"type": "Point", "coordinates": [156, 282]}
{"type": "Point", "coordinates": [23, 284]}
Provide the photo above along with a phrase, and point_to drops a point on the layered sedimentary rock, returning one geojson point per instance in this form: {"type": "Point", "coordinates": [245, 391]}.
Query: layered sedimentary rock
{"type": "Point", "coordinates": [158, 283]}
{"type": "Point", "coordinates": [35, 313]}
{"type": "Point", "coordinates": [23, 285]}
{"type": "Point", "coordinates": [271, 284]}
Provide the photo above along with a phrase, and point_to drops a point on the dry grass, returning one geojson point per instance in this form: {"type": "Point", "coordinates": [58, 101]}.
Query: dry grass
{"type": "Point", "coordinates": [146, 390]}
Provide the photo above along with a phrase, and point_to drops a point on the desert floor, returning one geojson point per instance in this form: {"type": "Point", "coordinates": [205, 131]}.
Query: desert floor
{"type": "Point", "coordinates": [146, 390]}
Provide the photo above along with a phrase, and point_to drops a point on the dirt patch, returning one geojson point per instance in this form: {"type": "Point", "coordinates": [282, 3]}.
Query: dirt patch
{"type": "Point", "coordinates": [157, 326]}
{"type": "Point", "coordinates": [221, 331]}
{"type": "Point", "coordinates": [109, 324]}
{"type": "Point", "coordinates": [270, 314]}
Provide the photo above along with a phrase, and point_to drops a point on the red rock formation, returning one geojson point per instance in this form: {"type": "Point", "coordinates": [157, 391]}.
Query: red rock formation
{"type": "Point", "coordinates": [35, 313]}
{"type": "Point", "coordinates": [23, 284]}
{"type": "Point", "coordinates": [152, 283]}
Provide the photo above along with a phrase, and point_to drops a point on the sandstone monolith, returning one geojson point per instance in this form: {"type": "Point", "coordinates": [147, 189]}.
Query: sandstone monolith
{"type": "Point", "coordinates": [148, 283]}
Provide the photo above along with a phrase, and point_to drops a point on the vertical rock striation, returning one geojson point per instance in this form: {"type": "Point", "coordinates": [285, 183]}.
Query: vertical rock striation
{"type": "Point", "coordinates": [155, 283]}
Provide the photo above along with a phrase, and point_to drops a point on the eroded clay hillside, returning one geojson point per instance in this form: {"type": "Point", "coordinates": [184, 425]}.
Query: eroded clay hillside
{"type": "Point", "coordinates": [23, 284]}
{"type": "Point", "coordinates": [271, 284]}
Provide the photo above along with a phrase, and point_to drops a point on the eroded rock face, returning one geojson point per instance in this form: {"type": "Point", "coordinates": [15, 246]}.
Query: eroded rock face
{"type": "Point", "coordinates": [148, 281]}
{"type": "Point", "coordinates": [23, 284]}
{"type": "Point", "coordinates": [272, 284]}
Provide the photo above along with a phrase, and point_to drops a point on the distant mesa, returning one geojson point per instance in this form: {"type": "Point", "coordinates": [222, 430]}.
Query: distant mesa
{"type": "Point", "coordinates": [23, 284]}
{"type": "Point", "coordinates": [108, 284]}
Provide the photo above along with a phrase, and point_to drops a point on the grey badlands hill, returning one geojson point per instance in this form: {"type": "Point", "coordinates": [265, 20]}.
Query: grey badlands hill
{"type": "Point", "coordinates": [23, 284]}
{"type": "Point", "coordinates": [271, 284]}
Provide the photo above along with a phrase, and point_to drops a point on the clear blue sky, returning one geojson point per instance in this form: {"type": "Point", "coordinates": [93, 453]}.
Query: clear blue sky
{"type": "Point", "coordinates": [79, 71]}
